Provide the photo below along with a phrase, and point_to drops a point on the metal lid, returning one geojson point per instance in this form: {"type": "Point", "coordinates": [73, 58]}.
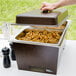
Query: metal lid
{"type": "Point", "coordinates": [37, 17]}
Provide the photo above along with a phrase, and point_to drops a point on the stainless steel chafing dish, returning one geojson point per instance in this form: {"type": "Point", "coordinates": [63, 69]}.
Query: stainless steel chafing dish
{"type": "Point", "coordinates": [37, 56]}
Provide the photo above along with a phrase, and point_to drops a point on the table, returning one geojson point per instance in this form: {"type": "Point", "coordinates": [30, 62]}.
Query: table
{"type": "Point", "coordinates": [67, 66]}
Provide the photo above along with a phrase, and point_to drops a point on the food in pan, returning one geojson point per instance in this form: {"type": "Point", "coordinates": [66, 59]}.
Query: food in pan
{"type": "Point", "coordinates": [45, 27]}
{"type": "Point", "coordinates": [37, 35]}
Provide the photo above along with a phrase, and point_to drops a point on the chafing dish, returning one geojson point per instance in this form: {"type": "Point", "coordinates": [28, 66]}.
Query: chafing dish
{"type": "Point", "coordinates": [33, 55]}
{"type": "Point", "coordinates": [38, 56]}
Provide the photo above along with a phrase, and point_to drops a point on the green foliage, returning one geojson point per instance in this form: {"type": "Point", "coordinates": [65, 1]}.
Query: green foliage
{"type": "Point", "coordinates": [10, 8]}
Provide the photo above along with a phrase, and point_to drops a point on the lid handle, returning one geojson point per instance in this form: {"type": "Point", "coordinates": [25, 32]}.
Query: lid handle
{"type": "Point", "coordinates": [45, 11]}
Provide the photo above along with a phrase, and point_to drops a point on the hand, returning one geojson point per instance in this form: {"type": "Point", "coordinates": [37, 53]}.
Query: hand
{"type": "Point", "coordinates": [48, 6]}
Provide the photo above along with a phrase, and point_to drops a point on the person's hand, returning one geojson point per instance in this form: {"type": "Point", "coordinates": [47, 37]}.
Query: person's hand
{"type": "Point", "coordinates": [48, 6]}
{"type": "Point", "coordinates": [61, 3]}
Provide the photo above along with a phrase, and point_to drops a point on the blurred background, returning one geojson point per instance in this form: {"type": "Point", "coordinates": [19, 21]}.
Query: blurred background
{"type": "Point", "coordinates": [10, 8]}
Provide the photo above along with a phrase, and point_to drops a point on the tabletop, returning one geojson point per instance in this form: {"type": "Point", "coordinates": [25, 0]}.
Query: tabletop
{"type": "Point", "coordinates": [67, 66]}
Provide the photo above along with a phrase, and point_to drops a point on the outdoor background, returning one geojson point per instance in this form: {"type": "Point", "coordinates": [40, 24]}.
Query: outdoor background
{"type": "Point", "coordinates": [10, 8]}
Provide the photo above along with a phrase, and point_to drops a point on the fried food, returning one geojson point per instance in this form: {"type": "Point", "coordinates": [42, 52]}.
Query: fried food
{"type": "Point", "coordinates": [38, 35]}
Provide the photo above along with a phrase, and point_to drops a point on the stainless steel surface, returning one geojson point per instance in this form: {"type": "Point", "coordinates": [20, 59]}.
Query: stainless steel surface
{"type": "Point", "coordinates": [12, 39]}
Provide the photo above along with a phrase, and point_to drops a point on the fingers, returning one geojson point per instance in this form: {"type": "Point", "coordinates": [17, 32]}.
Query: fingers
{"type": "Point", "coordinates": [47, 8]}
{"type": "Point", "coordinates": [44, 4]}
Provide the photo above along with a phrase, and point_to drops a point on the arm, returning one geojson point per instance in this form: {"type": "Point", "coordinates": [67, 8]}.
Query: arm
{"type": "Point", "coordinates": [61, 3]}
{"type": "Point", "coordinates": [66, 2]}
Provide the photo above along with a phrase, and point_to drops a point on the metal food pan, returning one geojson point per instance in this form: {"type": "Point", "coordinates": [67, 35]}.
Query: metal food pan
{"type": "Point", "coordinates": [40, 43]}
